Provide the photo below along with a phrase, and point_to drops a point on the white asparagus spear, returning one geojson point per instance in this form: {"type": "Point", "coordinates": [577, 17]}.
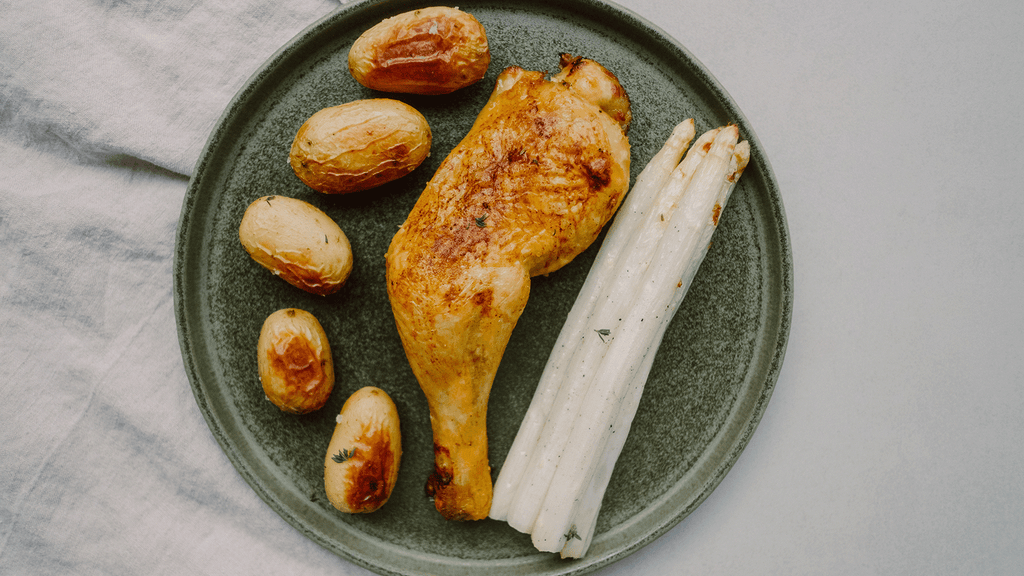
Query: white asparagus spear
{"type": "Point", "coordinates": [581, 533]}
{"type": "Point", "coordinates": [687, 236]}
{"type": "Point", "coordinates": [601, 316]}
{"type": "Point", "coordinates": [651, 179]}
{"type": "Point", "coordinates": [603, 313]}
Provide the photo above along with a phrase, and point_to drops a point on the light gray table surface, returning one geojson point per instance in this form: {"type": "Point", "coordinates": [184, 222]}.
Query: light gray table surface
{"type": "Point", "coordinates": [893, 442]}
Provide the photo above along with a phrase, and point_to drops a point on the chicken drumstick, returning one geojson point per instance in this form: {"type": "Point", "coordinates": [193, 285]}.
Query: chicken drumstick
{"type": "Point", "coordinates": [541, 171]}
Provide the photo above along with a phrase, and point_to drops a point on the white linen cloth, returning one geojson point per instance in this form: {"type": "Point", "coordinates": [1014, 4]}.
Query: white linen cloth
{"type": "Point", "coordinates": [144, 79]}
{"type": "Point", "coordinates": [106, 463]}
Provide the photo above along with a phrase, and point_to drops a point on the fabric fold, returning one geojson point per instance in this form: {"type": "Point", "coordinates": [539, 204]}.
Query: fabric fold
{"type": "Point", "coordinates": [106, 464]}
{"type": "Point", "coordinates": [142, 79]}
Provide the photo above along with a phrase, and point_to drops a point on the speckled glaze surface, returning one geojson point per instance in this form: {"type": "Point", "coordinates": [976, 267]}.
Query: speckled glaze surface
{"type": "Point", "coordinates": [708, 389]}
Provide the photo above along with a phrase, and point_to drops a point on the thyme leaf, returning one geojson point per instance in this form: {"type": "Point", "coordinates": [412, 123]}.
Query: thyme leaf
{"type": "Point", "coordinates": [481, 220]}
{"type": "Point", "coordinates": [602, 333]}
{"type": "Point", "coordinates": [343, 455]}
{"type": "Point", "coordinates": [573, 534]}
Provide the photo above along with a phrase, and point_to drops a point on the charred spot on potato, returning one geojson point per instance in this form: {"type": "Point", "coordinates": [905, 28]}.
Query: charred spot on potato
{"type": "Point", "coordinates": [298, 363]}
{"type": "Point", "coordinates": [369, 471]}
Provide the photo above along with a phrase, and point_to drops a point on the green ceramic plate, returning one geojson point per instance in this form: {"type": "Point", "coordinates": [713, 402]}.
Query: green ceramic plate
{"type": "Point", "coordinates": [707, 391]}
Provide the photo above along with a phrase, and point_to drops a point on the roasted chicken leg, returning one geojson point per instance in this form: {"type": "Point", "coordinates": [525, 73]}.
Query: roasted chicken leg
{"type": "Point", "coordinates": [543, 168]}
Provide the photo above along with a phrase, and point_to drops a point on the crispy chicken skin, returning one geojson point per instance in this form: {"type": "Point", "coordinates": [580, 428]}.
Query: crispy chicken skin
{"type": "Point", "coordinates": [541, 171]}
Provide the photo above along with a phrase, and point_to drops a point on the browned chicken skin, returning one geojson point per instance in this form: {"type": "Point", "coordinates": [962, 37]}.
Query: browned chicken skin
{"type": "Point", "coordinates": [543, 168]}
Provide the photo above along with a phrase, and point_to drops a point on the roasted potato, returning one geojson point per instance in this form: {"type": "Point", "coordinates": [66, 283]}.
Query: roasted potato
{"type": "Point", "coordinates": [294, 360]}
{"type": "Point", "coordinates": [359, 145]}
{"type": "Point", "coordinates": [298, 242]}
{"type": "Point", "coordinates": [364, 454]}
{"type": "Point", "coordinates": [433, 50]}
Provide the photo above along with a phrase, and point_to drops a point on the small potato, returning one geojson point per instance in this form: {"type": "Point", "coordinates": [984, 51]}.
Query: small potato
{"type": "Point", "coordinates": [433, 50]}
{"type": "Point", "coordinates": [298, 242]}
{"type": "Point", "coordinates": [359, 145]}
{"type": "Point", "coordinates": [362, 460]}
{"type": "Point", "coordinates": [294, 360]}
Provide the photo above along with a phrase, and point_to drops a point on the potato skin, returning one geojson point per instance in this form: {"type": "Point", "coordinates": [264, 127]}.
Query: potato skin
{"type": "Point", "coordinates": [359, 145]}
{"type": "Point", "coordinates": [295, 363]}
{"type": "Point", "coordinates": [434, 50]}
{"type": "Point", "coordinates": [298, 242]}
{"type": "Point", "coordinates": [361, 465]}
